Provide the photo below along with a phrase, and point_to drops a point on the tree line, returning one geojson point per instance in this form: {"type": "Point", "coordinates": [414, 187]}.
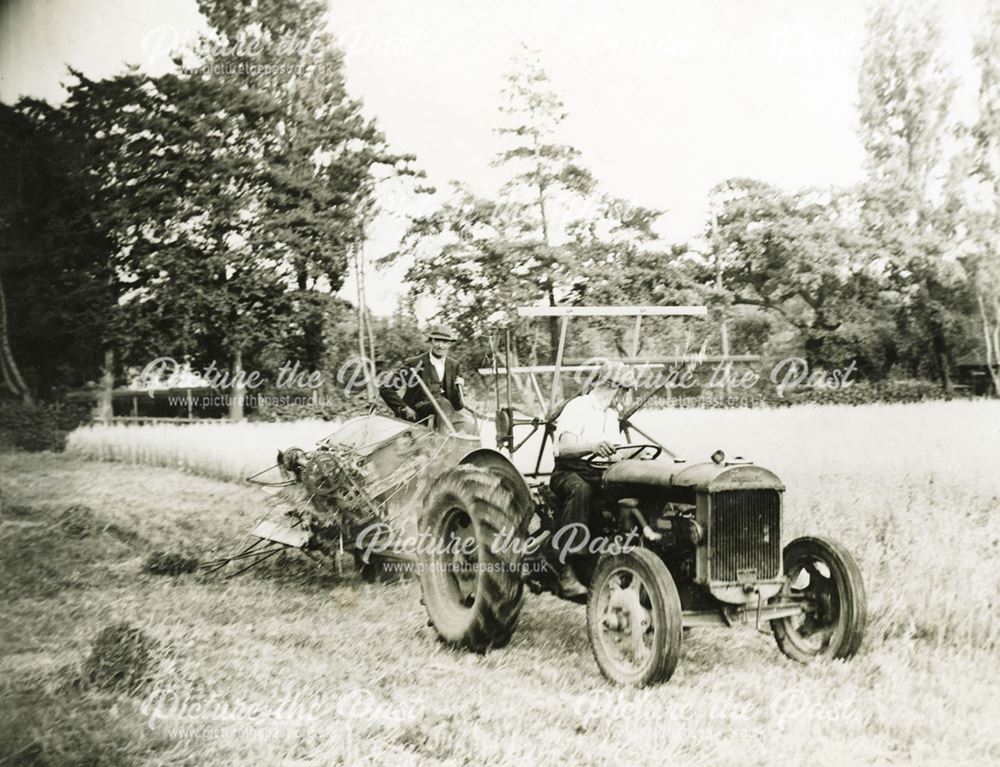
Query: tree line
{"type": "Point", "coordinates": [211, 217]}
{"type": "Point", "coordinates": [898, 273]}
{"type": "Point", "coordinates": [194, 215]}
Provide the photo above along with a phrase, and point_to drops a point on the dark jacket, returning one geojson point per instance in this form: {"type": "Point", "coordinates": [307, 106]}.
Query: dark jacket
{"type": "Point", "coordinates": [413, 395]}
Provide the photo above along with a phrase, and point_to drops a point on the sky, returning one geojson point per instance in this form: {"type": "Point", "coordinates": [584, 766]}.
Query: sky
{"type": "Point", "coordinates": [665, 99]}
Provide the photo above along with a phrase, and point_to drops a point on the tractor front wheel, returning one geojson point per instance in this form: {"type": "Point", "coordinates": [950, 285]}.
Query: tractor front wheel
{"type": "Point", "coordinates": [469, 559]}
{"type": "Point", "coordinates": [634, 618]}
{"type": "Point", "coordinates": [825, 577]}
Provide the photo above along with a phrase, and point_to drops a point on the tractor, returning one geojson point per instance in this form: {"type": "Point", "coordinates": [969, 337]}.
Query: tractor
{"type": "Point", "coordinates": [682, 545]}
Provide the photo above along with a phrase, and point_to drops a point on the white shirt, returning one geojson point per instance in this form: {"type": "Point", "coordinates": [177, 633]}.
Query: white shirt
{"type": "Point", "coordinates": [438, 363]}
{"type": "Point", "coordinates": [588, 421]}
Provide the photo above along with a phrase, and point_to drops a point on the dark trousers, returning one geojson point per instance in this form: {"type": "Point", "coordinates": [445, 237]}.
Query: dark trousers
{"type": "Point", "coordinates": [423, 409]}
{"type": "Point", "coordinates": [577, 492]}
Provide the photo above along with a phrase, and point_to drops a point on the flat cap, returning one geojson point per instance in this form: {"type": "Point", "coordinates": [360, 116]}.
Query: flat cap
{"type": "Point", "coordinates": [442, 332]}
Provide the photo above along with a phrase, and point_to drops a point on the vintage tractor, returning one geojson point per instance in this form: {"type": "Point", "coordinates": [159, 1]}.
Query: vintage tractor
{"type": "Point", "coordinates": [677, 545]}
{"type": "Point", "coordinates": [673, 545]}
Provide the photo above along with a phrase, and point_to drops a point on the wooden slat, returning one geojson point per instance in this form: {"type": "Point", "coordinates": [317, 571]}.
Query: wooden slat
{"type": "Point", "coordinates": [612, 311]}
{"type": "Point", "coordinates": [563, 325]}
{"type": "Point", "coordinates": [157, 419]}
{"type": "Point", "coordinates": [576, 366]}
{"type": "Point", "coordinates": [637, 335]}
{"type": "Point", "coordinates": [272, 531]}
{"type": "Point", "coordinates": [536, 369]}
{"type": "Point", "coordinates": [671, 359]}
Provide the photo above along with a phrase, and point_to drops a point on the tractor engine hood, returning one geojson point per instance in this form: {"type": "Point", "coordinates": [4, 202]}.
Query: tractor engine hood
{"type": "Point", "coordinates": [680, 482]}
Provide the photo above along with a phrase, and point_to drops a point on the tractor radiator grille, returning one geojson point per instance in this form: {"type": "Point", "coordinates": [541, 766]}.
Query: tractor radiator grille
{"type": "Point", "coordinates": [745, 535]}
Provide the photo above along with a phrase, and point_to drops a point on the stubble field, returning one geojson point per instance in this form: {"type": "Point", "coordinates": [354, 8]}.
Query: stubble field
{"type": "Point", "coordinates": [297, 664]}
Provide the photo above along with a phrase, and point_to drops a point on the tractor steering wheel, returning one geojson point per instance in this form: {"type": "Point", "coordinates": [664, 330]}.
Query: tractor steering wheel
{"type": "Point", "coordinates": [634, 450]}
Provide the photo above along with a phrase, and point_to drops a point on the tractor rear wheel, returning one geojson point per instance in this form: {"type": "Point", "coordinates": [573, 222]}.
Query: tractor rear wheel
{"type": "Point", "coordinates": [469, 561]}
{"type": "Point", "coordinates": [634, 618]}
{"type": "Point", "coordinates": [825, 576]}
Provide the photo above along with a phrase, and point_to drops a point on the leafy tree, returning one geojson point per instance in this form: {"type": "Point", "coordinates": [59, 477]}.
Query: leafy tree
{"type": "Point", "coordinates": [324, 158]}
{"type": "Point", "coordinates": [546, 179]}
{"type": "Point", "coordinates": [174, 166]}
{"type": "Point", "coordinates": [549, 236]}
{"type": "Point", "coordinates": [905, 98]}
{"type": "Point", "coordinates": [54, 282]}
{"type": "Point", "coordinates": [634, 275]}
{"type": "Point", "coordinates": [487, 255]}
{"type": "Point", "coordinates": [800, 256]}
{"type": "Point", "coordinates": [979, 208]}
{"type": "Point", "coordinates": [232, 195]}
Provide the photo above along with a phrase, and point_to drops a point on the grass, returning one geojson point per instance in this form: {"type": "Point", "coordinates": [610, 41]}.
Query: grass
{"type": "Point", "coordinates": [218, 449]}
{"type": "Point", "coordinates": [299, 665]}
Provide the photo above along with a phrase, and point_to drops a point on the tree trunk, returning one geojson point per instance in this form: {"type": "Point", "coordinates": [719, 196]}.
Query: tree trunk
{"type": "Point", "coordinates": [366, 336]}
{"type": "Point", "coordinates": [939, 343]}
{"type": "Point", "coordinates": [238, 389]}
{"type": "Point", "coordinates": [723, 327]}
{"type": "Point", "coordinates": [11, 374]}
{"type": "Point", "coordinates": [991, 340]}
{"type": "Point", "coordinates": [553, 328]}
{"type": "Point", "coordinates": [525, 391]}
{"type": "Point", "coordinates": [104, 408]}
{"type": "Point", "coordinates": [940, 346]}
{"type": "Point", "coordinates": [544, 218]}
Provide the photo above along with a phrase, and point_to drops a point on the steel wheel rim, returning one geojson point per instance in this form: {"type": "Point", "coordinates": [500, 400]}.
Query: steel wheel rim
{"type": "Point", "coordinates": [459, 569]}
{"type": "Point", "coordinates": [812, 580]}
{"type": "Point", "coordinates": [626, 623]}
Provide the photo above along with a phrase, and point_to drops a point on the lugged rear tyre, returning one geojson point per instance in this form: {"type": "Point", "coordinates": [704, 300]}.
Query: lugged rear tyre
{"type": "Point", "coordinates": [473, 598]}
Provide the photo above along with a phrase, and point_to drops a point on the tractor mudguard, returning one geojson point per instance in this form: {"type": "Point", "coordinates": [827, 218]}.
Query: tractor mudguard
{"type": "Point", "coordinates": [497, 462]}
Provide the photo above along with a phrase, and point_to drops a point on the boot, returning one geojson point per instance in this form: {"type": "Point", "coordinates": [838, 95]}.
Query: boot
{"type": "Point", "coordinates": [569, 586]}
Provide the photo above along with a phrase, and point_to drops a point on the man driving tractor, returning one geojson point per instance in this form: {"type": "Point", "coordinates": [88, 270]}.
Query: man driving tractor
{"type": "Point", "coordinates": [588, 426]}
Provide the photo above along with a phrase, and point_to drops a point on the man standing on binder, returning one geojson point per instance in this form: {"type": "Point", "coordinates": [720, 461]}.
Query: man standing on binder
{"type": "Point", "coordinates": [439, 372]}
